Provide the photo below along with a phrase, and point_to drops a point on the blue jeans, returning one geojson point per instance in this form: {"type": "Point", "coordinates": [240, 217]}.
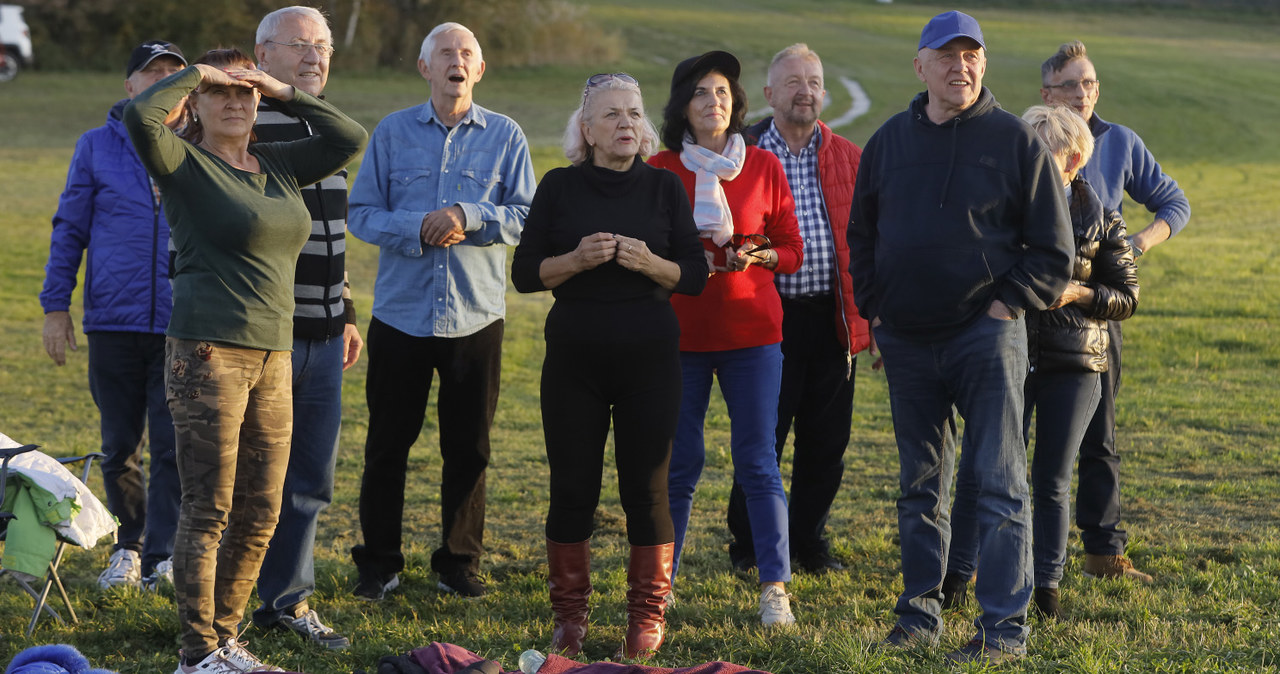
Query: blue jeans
{"type": "Point", "coordinates": [1098, 489]}
{"type": "Point", "coordinates": [288, 570]}
{"type": "Point", "coordinates": [126, 378]}
{"type": "Point", "coordinates": [1062, 404]}
{"type": "Point", "coordinates": [749, 381]}
{"type": "Point", "coordinates": [981, 371]}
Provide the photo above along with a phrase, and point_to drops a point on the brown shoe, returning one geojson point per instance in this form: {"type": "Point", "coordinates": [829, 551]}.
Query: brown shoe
{"type": "Point", "coordinates": [1113, 566]}
{"type": "Point", "coordinates": [649, 577]}
{"type": "Point", "coordinates": [569, 584]}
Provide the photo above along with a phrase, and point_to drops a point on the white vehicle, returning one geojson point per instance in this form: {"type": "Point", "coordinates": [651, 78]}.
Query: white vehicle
{"type": "Point", "coordinates": [15, 42]}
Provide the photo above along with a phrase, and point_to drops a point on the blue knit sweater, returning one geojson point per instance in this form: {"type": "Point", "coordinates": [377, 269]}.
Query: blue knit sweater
{"type": "Point", "coordinates": [1121, 163]}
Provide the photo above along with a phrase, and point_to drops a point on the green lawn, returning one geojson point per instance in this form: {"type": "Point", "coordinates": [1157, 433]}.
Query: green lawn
{"type": "Point", "coordinates": [1198, 413]}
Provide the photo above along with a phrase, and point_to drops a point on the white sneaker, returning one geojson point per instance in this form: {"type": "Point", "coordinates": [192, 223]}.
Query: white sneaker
{"type": "Point", "coordinates": [232, 658]}
{"type": "Point", "coordinates": [124, 568]}
{"type": "Point", "coordinates": [161, 574]}
{"type": "Point", "coordinates": [775, 607]}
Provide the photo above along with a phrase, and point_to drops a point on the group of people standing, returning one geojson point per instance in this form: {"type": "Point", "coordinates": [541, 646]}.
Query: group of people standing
{"type": "Point", "coordinates": [964, 242]}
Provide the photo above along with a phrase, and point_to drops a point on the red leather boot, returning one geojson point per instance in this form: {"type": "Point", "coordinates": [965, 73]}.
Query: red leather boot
{"type": "Point", "coordinates": [569, 584]}
{"type": "Point", "coordinates": [649, 577]}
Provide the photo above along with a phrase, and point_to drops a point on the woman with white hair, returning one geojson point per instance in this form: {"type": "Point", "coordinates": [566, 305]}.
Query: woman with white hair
{"type": "Point", "coordinates": [1067, 348]}
{"type": "Point", "coordinates": [612, 238]}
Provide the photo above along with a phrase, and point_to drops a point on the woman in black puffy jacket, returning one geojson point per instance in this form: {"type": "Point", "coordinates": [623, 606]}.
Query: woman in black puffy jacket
{"type": "Point", "coordinates": [1067, 345]}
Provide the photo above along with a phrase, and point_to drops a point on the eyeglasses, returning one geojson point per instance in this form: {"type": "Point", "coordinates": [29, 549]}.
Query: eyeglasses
{"type": "Point", "coordinates": [1070, 85]}
{"type": "Point", "coordinates": [758, 241]}
{"type": "Point", "coordinates": [301, 48]}
{"type": "Point", "coordinates": [600, 78]}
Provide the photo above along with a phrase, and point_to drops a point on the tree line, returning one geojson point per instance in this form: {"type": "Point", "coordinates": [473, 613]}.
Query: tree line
{"type": "Point", "coordinates": [368, 34]}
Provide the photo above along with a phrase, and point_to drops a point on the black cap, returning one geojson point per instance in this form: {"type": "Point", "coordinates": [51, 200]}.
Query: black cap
{"type": "Point", "coordinates": [149, 51]}
{"type": "Point", "coordinates": [722, 61]}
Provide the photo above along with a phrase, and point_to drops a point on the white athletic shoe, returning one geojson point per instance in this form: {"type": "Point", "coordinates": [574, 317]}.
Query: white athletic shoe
{"type": "Point", "coordinates": [232, 658]}
{"type": "Point", "coordinates": [775, 607]}
{"type": "Point", "coordinates": [124, 568]}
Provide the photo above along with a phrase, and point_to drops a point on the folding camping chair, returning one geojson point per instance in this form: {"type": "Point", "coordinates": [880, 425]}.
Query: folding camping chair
{"type": "Point", "coordinates": [51, 579]}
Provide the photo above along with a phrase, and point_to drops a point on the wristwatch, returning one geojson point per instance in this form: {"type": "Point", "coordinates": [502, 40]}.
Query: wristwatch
{"type": "Point", "coordinates": [1133, 244]}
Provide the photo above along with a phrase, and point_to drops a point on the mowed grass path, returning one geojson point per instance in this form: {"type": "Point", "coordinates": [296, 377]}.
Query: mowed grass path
{"type": "Point", "coordinates": [1198, 412]}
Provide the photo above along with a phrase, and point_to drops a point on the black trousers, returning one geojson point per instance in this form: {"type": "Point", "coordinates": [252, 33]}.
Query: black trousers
{"type": "Point", "coordinates": [818, 400]}
{"type": "Point", "coordinates": [638, 387]}
{"type": "Point", "coordinates": [1098, 491]}
{"type": "Point", "coordinates": [401, 368]}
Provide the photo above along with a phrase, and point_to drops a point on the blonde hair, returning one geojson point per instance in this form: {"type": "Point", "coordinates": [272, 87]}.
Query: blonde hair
{"type": "Point", "coordinates": [575, 145]}
{"type": "Point", "coordinates": [797, 50]}
{"type": "Point", "coordinates": [1062, 130]}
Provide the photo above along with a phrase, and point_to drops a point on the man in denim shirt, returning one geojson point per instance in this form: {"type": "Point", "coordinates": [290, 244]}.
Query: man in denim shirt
{"type": "Point", "coordinates": [443, 187]}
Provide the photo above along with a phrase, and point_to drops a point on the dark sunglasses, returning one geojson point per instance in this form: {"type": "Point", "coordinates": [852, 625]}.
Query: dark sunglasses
{"type": "Point", "coordinates": [600, 78]}
{"type": "Point", "coordinates": [759, 241]}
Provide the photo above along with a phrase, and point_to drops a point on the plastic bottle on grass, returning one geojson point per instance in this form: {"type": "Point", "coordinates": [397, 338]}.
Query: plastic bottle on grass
{"type": "Point", "coordinates": [531, 661]}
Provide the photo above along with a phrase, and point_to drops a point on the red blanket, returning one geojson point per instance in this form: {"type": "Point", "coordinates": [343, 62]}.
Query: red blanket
{"type": "Point", "coordinates": [438, 658]}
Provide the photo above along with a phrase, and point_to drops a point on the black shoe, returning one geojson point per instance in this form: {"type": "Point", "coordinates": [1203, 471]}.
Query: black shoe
{"type": "Point", "coordinates": [979, 651]}
{"type": "Point", "coordinates": [819, 563]}
{"type": "Point", "coordinates": [900, 639]}
{"type": "Point", "coordinates": [372, 587]}
{"type": "Point", "coordinates": [742, 557]}
{"type": "Point", "coordinates": [955, 591]}
{"type": "Point", "coordinates": [308, 626]}
{"type": "Point", "coordinates": [1044, 600]}
{"type": "Point", "coordinates": [462, 583]}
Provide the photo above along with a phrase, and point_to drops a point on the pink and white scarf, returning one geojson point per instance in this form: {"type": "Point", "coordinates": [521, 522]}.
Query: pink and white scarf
{"type": "Point", "coordinates": [710, 207]}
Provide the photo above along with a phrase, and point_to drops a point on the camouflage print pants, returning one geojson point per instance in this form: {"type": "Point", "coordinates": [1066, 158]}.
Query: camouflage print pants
{"type": "Point", "coordinates": [232, 415]}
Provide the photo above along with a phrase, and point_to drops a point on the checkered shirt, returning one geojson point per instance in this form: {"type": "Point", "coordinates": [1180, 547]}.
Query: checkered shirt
{"type": "Point", "coordinates": [817, 273]}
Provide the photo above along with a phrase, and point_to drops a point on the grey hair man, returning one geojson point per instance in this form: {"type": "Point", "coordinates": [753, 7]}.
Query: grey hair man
{"type": "Point", "coordinates": [1121, 164]}
{"type": "Point", "coordinates": [959, 225]}
{"type": "Point", "coordinates": [822, 331]}
{"type": "Point", "coordinates": [444, 187]}
{"type": "Point", "coordinates": [294, 45]}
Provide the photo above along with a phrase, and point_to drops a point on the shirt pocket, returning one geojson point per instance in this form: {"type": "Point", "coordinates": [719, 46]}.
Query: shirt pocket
{"type": "Point", "coordinates": [478, 185]}
{"type": "Point", "coordinates": [411, 188]}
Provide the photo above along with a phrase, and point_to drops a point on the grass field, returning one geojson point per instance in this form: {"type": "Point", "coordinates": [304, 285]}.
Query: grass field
{"type": "Point", "coordinates": [1199, 419]}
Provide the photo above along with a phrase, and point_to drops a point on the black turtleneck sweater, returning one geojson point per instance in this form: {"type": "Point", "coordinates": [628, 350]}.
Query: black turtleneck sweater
{"type": "Point", "coordinates": [609, 302]}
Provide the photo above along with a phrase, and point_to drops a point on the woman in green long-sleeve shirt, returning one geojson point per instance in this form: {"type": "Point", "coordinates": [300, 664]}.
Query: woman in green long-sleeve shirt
{"type": "Point", "coordinates": [238, 224]}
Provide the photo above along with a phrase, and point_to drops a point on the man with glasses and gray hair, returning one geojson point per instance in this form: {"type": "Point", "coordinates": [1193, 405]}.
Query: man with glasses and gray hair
{"type": "Point", "coordinates": [445, 186]}
{"type": "Point", "coordinates": [294, 45]}
{"type": "Point", "coordinates": [1121, 164]}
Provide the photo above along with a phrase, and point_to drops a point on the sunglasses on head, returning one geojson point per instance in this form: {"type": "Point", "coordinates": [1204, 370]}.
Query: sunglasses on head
{"type": "Point", "coordinates": [600, 78]}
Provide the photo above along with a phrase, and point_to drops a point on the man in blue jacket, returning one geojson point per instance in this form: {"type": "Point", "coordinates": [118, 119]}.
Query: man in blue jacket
{"type": "Point", "coordinates": [111, 209]}
{"type": "Point", "coordinates": [1121, 163]}
{"type": "Point", "coordinates": [959, 225]}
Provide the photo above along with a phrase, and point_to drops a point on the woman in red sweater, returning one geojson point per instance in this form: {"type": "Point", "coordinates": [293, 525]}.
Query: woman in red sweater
{"type": "Point", "coordinates": [745, 216]}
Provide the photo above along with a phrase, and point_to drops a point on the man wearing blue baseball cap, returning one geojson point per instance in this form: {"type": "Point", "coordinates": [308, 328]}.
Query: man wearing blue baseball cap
{"type": "Point", "coordinates": [959, 226]}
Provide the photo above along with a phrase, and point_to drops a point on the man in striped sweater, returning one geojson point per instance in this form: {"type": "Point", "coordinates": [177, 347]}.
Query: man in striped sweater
{"type": "Point", "coordinates": [294, 45]}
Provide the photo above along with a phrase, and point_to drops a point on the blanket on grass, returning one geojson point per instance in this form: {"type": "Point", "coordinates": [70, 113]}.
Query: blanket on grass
{"type": "Point", "coordinates": [439, 658]}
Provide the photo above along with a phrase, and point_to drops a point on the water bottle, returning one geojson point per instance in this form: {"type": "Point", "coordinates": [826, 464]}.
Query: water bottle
{"type": "Point", "coordinates": [531, 661]}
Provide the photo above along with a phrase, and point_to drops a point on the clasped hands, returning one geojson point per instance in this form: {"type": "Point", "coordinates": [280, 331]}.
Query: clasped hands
{"type": "Point", "coordinates": [596, 249]}
{"type": "Point", "coordinates": [443, 227]}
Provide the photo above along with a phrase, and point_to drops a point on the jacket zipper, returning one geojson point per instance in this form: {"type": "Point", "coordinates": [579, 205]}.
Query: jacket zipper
{"type": "Point", "coordinates": [155, 244]}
